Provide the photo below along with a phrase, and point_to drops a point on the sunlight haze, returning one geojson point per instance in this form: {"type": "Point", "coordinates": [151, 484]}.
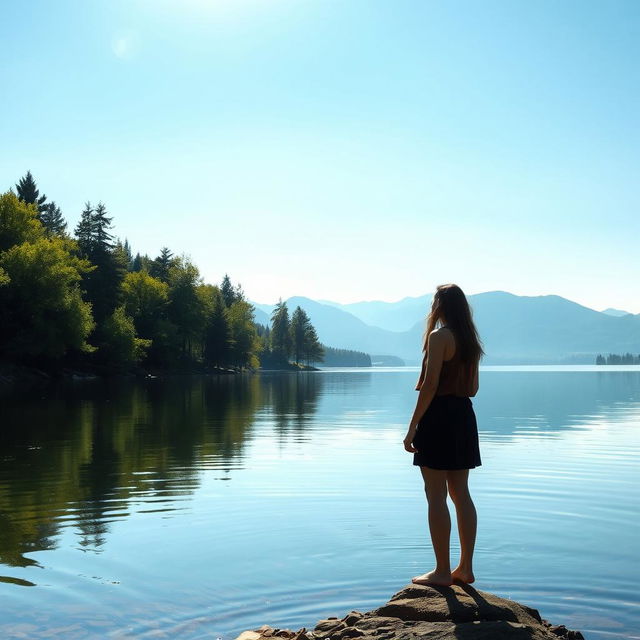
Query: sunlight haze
{"type": "Point", "coordinates": [342, 150]}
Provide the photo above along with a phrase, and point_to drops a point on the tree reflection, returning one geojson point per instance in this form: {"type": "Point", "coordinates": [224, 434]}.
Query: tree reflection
{"type": "Point", "coordinates": [79, 454]}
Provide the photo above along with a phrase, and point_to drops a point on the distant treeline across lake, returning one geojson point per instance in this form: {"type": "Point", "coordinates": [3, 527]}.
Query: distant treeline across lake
{"type": "Point", "coordinates": [613, 358]}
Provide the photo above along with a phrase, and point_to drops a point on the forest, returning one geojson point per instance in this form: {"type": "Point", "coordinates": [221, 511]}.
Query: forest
{"type": "Point", "coordinates": [83, 300]}
{"type": "Point", "coordinates": [613, 358]}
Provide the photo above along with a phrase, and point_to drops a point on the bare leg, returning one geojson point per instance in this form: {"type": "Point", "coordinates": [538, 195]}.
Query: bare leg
{"type": "Point", "coordinates": [457, 482]}
{"type": "Point", "coordinates": [435, 484]}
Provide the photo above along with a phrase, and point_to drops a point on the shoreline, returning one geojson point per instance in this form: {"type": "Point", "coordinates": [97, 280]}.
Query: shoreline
{"type": "Point", "coordinates": [19, 375]}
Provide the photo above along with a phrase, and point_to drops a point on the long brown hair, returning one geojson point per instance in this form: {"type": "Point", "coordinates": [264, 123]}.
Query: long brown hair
{"type": "Point", "coordinates": [450, 304]}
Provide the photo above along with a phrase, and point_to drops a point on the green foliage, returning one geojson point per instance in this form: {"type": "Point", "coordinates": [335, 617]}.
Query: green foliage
{"type": "Point", "coordinates": [230, 294]}
{"type": "Point", "coordinates": [299, 328]}
{"type": "Point", "coordinates": [160, 267]}
{"type": "Point", "coordinates": [280, 333]}
{"type": "Point", "coordinates": [244, 338]}
{"type": "Point", "coordinates": [102, 285]}
{"type": "Point", "coordinates": [145, 300]}
{"type": "Point", "coordinates": [18, 222]}
{"type": "Point", "coordinates": [121, 346]}
{"type": "Point", "coordinates": [42, 311]}
{"type": "Point", "coordinates": [126, 248]}
{"type": "Point", "coordinates": [217, 336]}
{"type": "Point", "coordinates": [187, 306]}
{"type": "Point", "coordinates": [58, 294]}
{"type": "Point", "coordinates": [313, 351]}
{"type": "Point", "coordinates": [28, 192]}
{"type": "Point", "coordinates": [143, 263]}
{"type": "Point", "coordinates": [52, 220]}
{"type": "Point", "coordinates": [345, 358]}
{"type": "Point", "coordinates": [84, 229]}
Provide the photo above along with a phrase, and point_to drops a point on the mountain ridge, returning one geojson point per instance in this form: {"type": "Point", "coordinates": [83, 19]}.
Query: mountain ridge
{"type": "Point", "coordinates": [544, 329]}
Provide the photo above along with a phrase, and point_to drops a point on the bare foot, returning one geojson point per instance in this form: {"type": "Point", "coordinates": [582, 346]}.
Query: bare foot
{"type": "Point", "coordinates": [442, 579]}
{"type": "Point", "coordinates": [463, 575]}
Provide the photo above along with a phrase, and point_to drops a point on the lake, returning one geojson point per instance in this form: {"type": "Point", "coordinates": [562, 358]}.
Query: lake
{"type": "Point", "coordinates": [198, 507]}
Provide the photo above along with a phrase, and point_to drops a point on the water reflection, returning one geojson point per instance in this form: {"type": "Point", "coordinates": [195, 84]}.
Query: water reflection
{"type": "Point", "coordinates": [79, 454]}
{"type": "Point", "coordinates": [547, 403]}
{"type": "Point", "coordinates": [119, 483]}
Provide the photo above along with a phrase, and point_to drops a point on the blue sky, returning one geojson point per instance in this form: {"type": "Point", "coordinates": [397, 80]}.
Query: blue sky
{"type": "Point", "coordinates": [342, 149]}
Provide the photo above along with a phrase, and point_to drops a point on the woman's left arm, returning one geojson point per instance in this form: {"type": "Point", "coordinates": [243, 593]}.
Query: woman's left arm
{"type": "Point", "coordinates": [435, 354]}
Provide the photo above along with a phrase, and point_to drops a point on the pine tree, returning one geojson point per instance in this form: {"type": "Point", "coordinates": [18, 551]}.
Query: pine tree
{"type": "Point", "coordinates": [51, 218]}
{"type": "Point", "coordinates": [228, 292]}
{"type": "Point", "coordinates": [84, 229]}
{"type": "Point", "coordinates": [126, 248]}
{"type": "Point", "coordinates": [161, 265]}
{"type": "Point", "coordinates": [101, 225]}
{"type": "Point", "coordinates": [217, 337]}
{"type": "Point", "coordinates": [313, 350]}
{"type": "Point", "coordinates": [102, 285]}
{"type": "Point", "coordinates": [28, 192]}
{"type": "Point", "coordinates": [299, 327]}
{"type": "Point", "coordinates": [280, 332]}
{"type": "Point", "coordinates": [136, 264]}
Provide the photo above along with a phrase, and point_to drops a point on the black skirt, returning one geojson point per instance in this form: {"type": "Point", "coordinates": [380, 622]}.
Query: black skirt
{"type": "Point", "coordinates": [447, 435]}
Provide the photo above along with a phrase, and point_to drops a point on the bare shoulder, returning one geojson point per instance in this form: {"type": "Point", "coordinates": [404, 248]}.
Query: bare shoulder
{"type": "Point", "coordinates": [443, 335]}
{"type": "Point", "coordinates": [439, 335]}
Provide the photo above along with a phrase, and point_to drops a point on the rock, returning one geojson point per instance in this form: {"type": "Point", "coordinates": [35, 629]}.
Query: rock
{"type": "Point", "coordinates": [424, 612]}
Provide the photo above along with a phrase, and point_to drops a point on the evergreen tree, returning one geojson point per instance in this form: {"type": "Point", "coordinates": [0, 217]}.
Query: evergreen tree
{"type": "Point", "coordinates": [28, 192]}
{"type": "Point", "coordinates": [160, 266]}
{"type": "Point", "coordinates": [280, 333]}
{"type": "Point", "coordinates": [228, 292]}
{"type": "Point", "coordinates": [102, 285]}
{"type": "Point", "coordinates": [126, 249]}
{"type": "Point", "coordinates": [52, 220]}
{"type": "Point", "coordinates": [101, 225]}
{"type": "Point", "coordinates": [217, 337]}
{"type": "Point", "coordinates": [84, 229]}
{"type": "Point", "coordinates": [299, 327]}
{"type": "Point", "coordinates": [187, 308]}
{"type": "Point", "coordinates": [313, 350]}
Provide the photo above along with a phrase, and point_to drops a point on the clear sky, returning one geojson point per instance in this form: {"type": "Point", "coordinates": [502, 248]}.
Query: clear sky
{"type": "Point", "coordinates": [342, 149]}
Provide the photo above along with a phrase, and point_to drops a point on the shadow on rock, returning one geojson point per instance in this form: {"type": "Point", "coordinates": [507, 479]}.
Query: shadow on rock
{"type": "Point", "coordinates": [420, 612]}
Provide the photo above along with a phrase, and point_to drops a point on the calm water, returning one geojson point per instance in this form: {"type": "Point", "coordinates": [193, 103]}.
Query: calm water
{"type": "Point", "coordinates": [200, 507]}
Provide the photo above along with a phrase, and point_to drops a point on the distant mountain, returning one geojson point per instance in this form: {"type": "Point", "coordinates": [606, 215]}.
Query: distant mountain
{"type": "Point", "coordinates": [260, 315]}
{"type": "Point", "coordinates": [614, 312]}
{"type": "Point", "coordinates": [393, 316]}
{"type": "Point", "coordinates": [514, 329]}
{"type": "Point", "coordinates": [548, 329]}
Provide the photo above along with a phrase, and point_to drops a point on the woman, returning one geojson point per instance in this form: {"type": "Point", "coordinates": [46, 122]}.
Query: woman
{"type": "Point", "coordinates": [443, 434]}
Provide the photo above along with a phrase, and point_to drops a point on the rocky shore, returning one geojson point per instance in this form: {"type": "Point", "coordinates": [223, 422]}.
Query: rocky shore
{"type": "Point", "coordinates": [420, 612]}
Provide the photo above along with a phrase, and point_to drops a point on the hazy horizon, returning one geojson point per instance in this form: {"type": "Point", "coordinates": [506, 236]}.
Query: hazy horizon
{"type": "Point", "coordinates": [394, 301]}
{"type": "Point", "coordinates": [351, 150]}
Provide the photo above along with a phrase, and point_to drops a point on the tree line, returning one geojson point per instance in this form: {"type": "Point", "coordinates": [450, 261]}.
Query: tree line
{"type": "Point", "coordinates": [613, 358]}
{"type": "Point", "coordinates": [83, 299]}
{"type": "Point", "coordinates": [289, 338]}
